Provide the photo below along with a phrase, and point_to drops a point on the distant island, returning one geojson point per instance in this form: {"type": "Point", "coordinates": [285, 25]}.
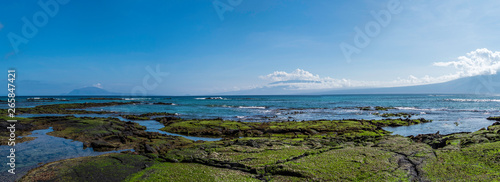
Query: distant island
{"type": "Point", "coordinates": [481, 84]}
{"type": "Point", "coordinates": [89, 91]}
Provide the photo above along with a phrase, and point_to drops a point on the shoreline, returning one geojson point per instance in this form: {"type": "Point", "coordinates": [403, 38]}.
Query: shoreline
{"type": "Point", "coordinates": [419, 148]}
{"type": "Point", "coordinates": [255, 151]}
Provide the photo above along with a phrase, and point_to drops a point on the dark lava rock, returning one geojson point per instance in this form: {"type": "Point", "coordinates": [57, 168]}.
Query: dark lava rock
{"type": "Point", "coordinates": [494, 118]}
{"type": "Point", "coordinates": [101, 145]}
{"type": "Point", "coordinates": [434, 140]}
{"type": "Point", "coordinates": [253, 143]}
{"type": "Point", "coordinates": [118, 168]}
{"type": "Point", "coordinates": [149, 149]}
{"type": "Point", "coordinates": [250, 143]}
{"type": "Point", "coordinates": [19, 126]}
{"type": "Point", "coordinates": [163, 103]}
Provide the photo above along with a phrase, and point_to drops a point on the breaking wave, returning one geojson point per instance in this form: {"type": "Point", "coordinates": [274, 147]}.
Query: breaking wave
{"type": "Point", "coordinates": [473, 100]}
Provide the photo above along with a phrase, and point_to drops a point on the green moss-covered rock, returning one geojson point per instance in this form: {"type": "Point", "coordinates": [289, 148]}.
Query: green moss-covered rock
{"type": "Point", "coordinates": [294, 129]}
{"type": "Point", "coordinates": [23, 127]}
{"type": "Point", "coordinates": [102, 134]}
{"type": "Point", "coordinates": [108, 167]}
{"type": "Point", "coordinates": [187, 172]}
{"type": "Point", "coordinates": [477, 162]}
{"type": "Point", "coordinates": [71, 108]}
{"type": "Point", "coordinates": [399, 114]}
{"type": "Point", "coordinates": [347, 164]}
{"type": "Point", "coordinates": [495, 118]}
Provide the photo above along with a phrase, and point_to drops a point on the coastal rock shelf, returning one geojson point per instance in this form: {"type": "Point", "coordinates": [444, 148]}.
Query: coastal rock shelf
{"type": "Point", "coordinates": [321, 128]}
{"type": "Point", "coordinates": [102, 134]}
{"type": "Point", "coordinates": [72, 108]}
{"type": "Point", "coordinates": [315, 150]}
{"type": "Point", "coordinates": [393, 158]}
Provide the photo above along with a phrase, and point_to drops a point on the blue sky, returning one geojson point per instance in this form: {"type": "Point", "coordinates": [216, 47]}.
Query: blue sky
{"type": "Point", "coordinates": [111, 43]}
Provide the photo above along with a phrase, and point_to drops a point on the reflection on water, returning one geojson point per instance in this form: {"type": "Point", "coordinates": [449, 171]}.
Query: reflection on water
{"type": "Point", "coordinates": [445, 123]}
{"type": "Point", "coordinates": [43, 149]}
{"type": "Point", "coordinates": [151, 125]}
{"type": "Point", "coordinates": [155, 126]}
{"type": "Point", "coordinates": [444, 127]}
{"type": "Point", "coordinates": [450, 113]}
{"type": "Point", "coordinates": [46, 148]}
{"type": "Point", "coordinates": [444, 110]}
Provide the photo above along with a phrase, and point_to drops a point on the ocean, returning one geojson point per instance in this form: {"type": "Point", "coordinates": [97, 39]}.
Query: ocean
{"type": "Point", "coordinates": [450, 114]}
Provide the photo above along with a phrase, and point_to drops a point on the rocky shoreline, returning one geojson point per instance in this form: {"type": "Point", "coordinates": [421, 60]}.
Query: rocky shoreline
{"type": "Point", "coordinates": [338, 150]}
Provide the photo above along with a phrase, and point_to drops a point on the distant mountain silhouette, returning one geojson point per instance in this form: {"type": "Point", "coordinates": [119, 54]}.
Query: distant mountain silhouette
{"type": "Point", "coordinates": [483, 84]}
{"type": "Point", "coordinates": [267, 90]}
{"type": "Point", "coordinates": [91, 91]}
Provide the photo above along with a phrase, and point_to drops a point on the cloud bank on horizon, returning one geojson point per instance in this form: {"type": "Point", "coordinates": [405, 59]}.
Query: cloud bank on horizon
{"type": "Point", "coordinates": [97, 85]}
{"type": "Point", "coordinates": [479, 62]}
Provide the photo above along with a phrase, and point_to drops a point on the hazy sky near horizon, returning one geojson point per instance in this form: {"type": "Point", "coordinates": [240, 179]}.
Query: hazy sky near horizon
{"type": "Point", "coordinates": [206, 47]}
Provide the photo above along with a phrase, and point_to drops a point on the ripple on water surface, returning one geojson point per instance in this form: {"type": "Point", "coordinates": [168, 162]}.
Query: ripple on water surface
{"type": "Point", "coordinates": [43, 149]}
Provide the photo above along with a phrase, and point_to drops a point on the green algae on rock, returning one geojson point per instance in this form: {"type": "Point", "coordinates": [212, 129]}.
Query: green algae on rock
{"type": "Point", "coordinates": [477, 162]}
{"type": "Point", "coordinates": [23, 127]}
{"type": "Point", "coordinates": [320, 128]}
{"type": "Point", "coordinates": [315, 158]}
{"type": "Point", "coordinates": [376, 108]}
{"type": "Point", "coordinates": [135, 117]}
{"type": "Point", "coordinates": [146, 116]}
{"type": "Point", "coordinates": [107, 167]}
{"type": "Point", "coordinates": [495, 118]}
{"type": "Point", "coordinates": [464, 156]}
{"type": "Point", "coordinates": [188, 172]}
{"type": "Point", "coordinates": [71, 108]}
{"type": "Point", "coordinates": [400, 114]}
{"type": "Point", "coordinates": [102, 134]}
{"type": "Point", "coordinates": [339, 150]}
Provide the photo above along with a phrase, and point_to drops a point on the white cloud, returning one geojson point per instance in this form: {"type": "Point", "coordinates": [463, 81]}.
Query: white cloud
{"type": "Point", "coordinates": [301, 80]}
{"type": "Point", "coordinates": [298, 74]}
{"type": "Point", "coordinates": [478, 62]}
{"type": "Point", "coordinates": [413, 80]}
{"type": "Point", "coordinates": [305, 80]}
{"type": "Point", "coordinates": [98, 85]}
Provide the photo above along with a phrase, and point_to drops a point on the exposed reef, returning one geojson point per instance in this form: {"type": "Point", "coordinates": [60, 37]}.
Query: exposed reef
{"type": "Point", "coordinates": [102, 134]}
{"type": "Point", "coordinates": [495, 118]}
{"type": "Point", "coordinates": [399, 114]}
{"type": "Point", "coordinates": [146, 116]}
{"type": "Point", "coordinates": [322, 150]}
{"type": "Point", "coordinates": [389, 158]}
{"type": "Point", "coordinates": [101, 98]}
{"type": "Point", "coordinates": [163, 103]}
{"type": "Point", "coordinates": [73, 108]}
{"type": "Point", "coordinates": [337, 128]}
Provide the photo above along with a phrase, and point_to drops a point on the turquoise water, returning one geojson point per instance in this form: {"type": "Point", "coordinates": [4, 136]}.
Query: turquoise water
{"type": "Point", "coordinates": [446, 111]}
{"type": "Point", "coordinates": [43, 149]}
{"type": "Point", "coordinates": [155, 126]}
{"type": "Point", "coordinates": [450, 114]}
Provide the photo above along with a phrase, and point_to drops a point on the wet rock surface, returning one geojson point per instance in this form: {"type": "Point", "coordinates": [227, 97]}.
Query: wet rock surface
{"type": "Point", "coordinates": [434, 140]}
{"type": "Point", "coordinates": [302, 159]}
{"type": "Point", "coordinates": [342, 150]}
{"type": "Point", "coordinates": [223, 128]}
{"type": "Point", "coordinates": [109, 167]}
{"type": "Point", "coordinates": [73, 108]}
